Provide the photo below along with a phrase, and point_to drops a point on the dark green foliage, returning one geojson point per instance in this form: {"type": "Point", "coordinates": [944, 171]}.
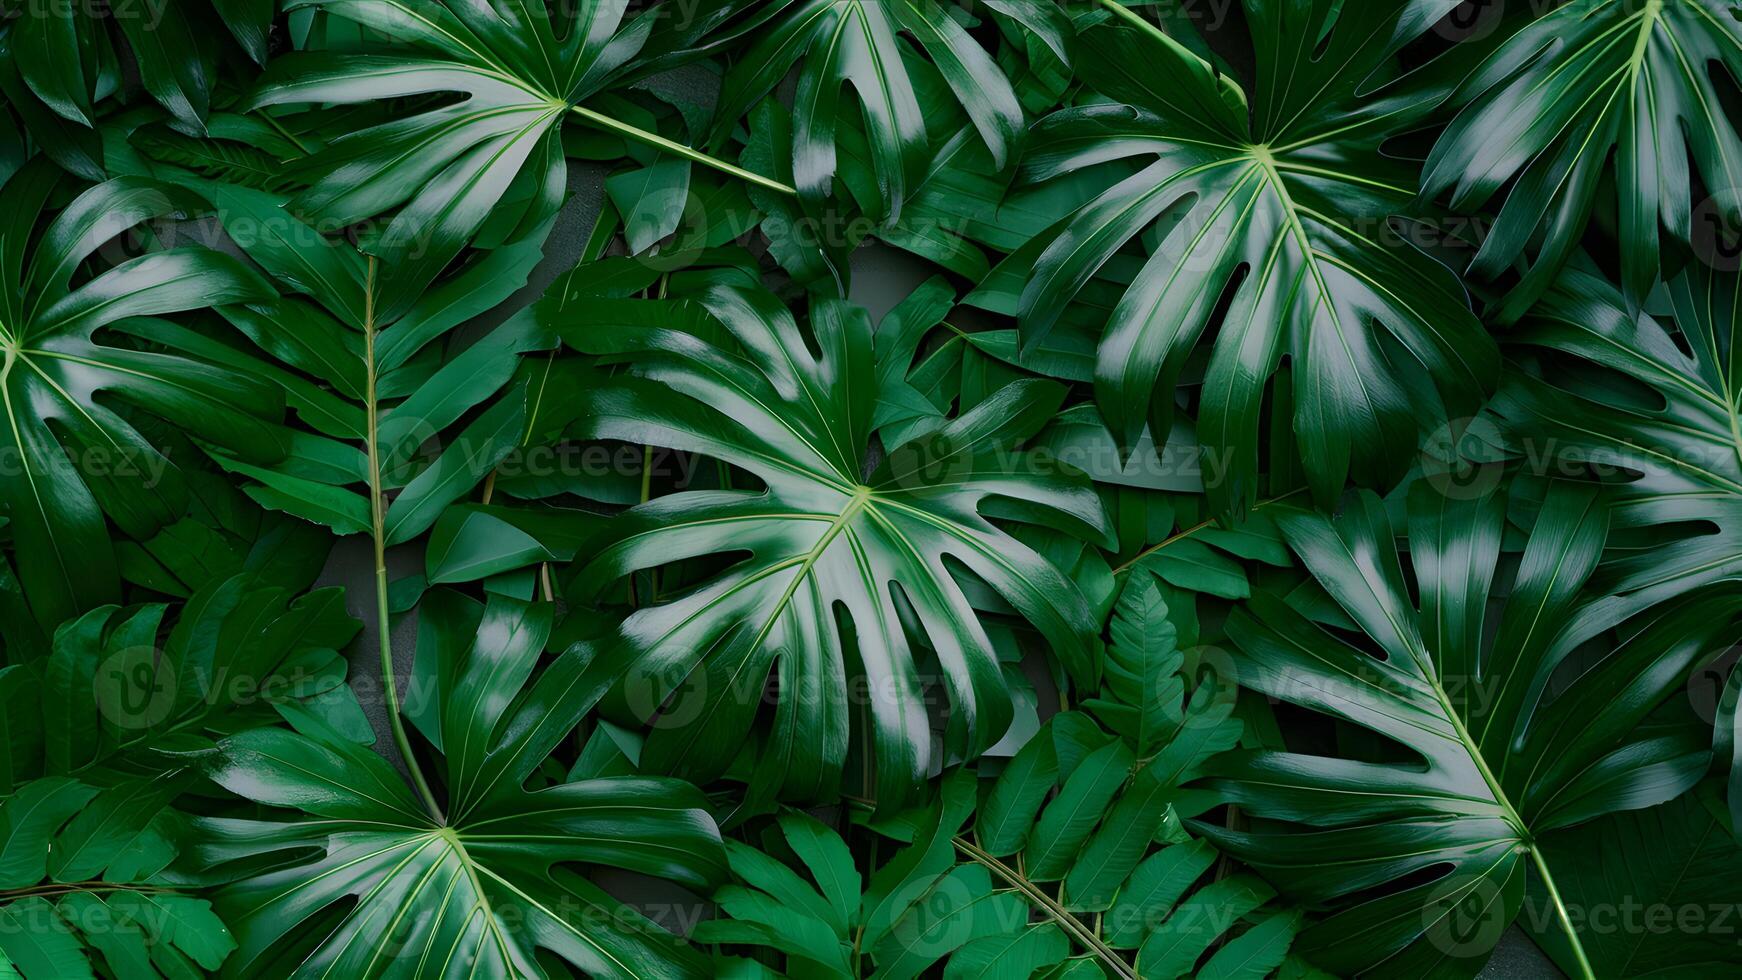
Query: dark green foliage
{"type": "Point", "coordinates": [1063, 489]}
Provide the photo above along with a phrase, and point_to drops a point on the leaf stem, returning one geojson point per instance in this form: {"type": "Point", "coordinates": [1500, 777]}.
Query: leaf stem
{"type": "Point", "coordinates": [1554, 895]}
{"type": "Point", "coordinates": [1084, 936]}
{"type": "Point", "coordinates": [1131, 16]}
{"type": "Point", "coordinates": [378, 531]}
{"type": "Point", "coordinates": [659, 142]}
{"type": "Point", "coordinates": [1195, 528]}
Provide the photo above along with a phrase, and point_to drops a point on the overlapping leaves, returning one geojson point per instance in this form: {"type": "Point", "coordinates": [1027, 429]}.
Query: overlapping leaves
{"type": "Point", "coordinates": [844, 563]}
{"type": "Point", "coordinates": [1632, 88]}
{"type": "Point", "coordinates": [69, 348]}
{"type": "Point", "coordinates": [99, 789]}
{"type": "Point", "coordinates": [1269, 204]}
{"type": "Point", "coordinates": [825, 553]}
{"type": "Point", "coordinates": [1399, 849]}
{"type": "Point", "coordinates": [369, 883]}
{"type": "Point", "coordinates": [445, 169]}
{"type": "Point", "coordinates": [1074, 855]}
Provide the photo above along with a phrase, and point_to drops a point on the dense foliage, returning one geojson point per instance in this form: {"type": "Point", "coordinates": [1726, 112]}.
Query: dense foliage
{"type": "Point", "coordinates": [1066, 489]}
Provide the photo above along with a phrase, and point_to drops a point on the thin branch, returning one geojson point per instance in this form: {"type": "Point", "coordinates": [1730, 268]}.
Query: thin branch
{"type": "Point", "coordinates": [659, 142]}
{"type": "Point", "coordinates": [1075, 927]}
{"type": "Point", "coordinates": [378, 531]}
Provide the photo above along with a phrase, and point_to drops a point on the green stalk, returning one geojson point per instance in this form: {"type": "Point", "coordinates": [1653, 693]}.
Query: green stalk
{"type": "Point", "coordinates": [1072, 926]}
{"type": "Point", "coordinates": [1560, 908]}
{"type": "Point", "coordinates": [659, 142]}
{"type": "Point", "coordinates": [378, 531]}
{"type": "Point", "coordinates": [1131, 16]}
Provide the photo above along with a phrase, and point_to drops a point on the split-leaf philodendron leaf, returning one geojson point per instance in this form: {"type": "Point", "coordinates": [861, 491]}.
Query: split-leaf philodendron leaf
{"type": "Point", "coordinates": [963, 489]}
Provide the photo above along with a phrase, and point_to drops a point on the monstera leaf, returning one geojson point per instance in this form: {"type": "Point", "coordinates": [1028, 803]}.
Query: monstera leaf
{"type": "Point", "coordinates": [72, 454]}
{"type": "Point", "coordinates": [1678, 857]}
{"type": "Point", "coordinates": [1665, 433]}
{"type": "Point", "coordinates": [100, 740]}
{"type": "Point", "coordinates": [1270, 205]}
{"type": "Point", "coordinates": [1651, 403]}
{"type": "Point", "coordinates": [1623, 90]}
{"type": "Point", "coordinates": [859, 43]}
{"type": "Point", "coordinates": [447, 168]}
{"type": "Point", "coordinates": [1417, 854]}
{"type": "Point", "coordinates": [372, 882]}
{"type": "Point", "coordinates": [841, 572]}
{"type": "Point", "coordinates": [495, 154]}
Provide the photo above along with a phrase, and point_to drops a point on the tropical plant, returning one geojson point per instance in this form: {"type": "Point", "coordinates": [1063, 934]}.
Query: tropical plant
{"type": "Point", "coordinates": [374, 878]}
{"type": "Point", "coordinates": [1075, 853]}
{"type": "Point", "coordinates": [1668, 448]}
{"type": "Point", "coordinates": [849, 561]}
{"type": "Point", "coordinates": [1484, 758]}
{"type": "Point", "coordinates": [1633, 85]}
{"type": "Point", "coordinates": [1680, 853]}
{"type": "Point", "coordinates": [831, 488]}
{"type": "Point", "coordinates": [860, 44]}
{"type": "Point", "coordinates": [77, 460]}
{"type": "Point", "coordinates": [366, 381]}
{"type": "Point", "coordinates": [100, 789]}
{"type": "Point", "coordinates": [1270, 211]}
{"type": "Point", "coordinates": [495, 155]}
{"type": "Point", "coordinates": [58, 63]}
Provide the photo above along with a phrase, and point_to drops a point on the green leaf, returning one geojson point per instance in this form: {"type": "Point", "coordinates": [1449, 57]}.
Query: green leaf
{"type": "Point", "coordinates": [32, 817]}
{"type": "Point", "coordinates": [942, 893]}
{"type": "Point", "coordinates": [39, 942]}
{"type": "Point", "coordinates": [1285, 178]}
{"type": "Point", "coordinates": [959, 908]}
{"type": "Point", "coordinates": [651, 200]}
{"type": "Point", "coordinates": [1675, 864]}
{"type": "Point", "coordinates": [79, 461]}
{"type": "Point", "coordinates": [828, 540]}
{"type": "Point", "coordinates": [444, 169]}
{"type": "Point", "coordinates": [488, 883]}
{"type": "Point", "coordinates": [1596, 93]}
{"type": "Point", "coordinates": [1143, 664]}
{"type": "Point", "coordinates": [1080, 804]}
{"type": "Point", "coordinates": [1502, 763]}
{"type": "Point", "coordinates": [829, 860]}
{"type": "Point", "coordinates": [858, 43]}
{"type": "Point", "coordinates": [1019, 954]}
{"type": "Point", "coordinates": [1154, 888]}
{"type": "Point", "coordinates": [339, 295]}
{"type": "Point", "coordinates": [1010, 809]}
